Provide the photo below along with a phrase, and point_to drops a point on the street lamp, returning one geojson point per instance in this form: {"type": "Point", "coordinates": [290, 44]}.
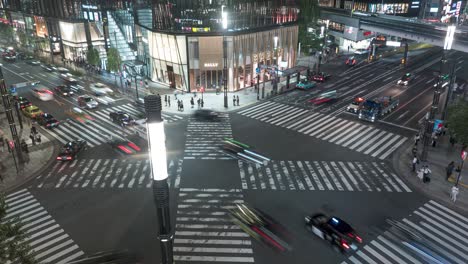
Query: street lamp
{"type": "Point", "coordinates": [224, 17]}
{"type": "Point", "coordinates": [438, 88]}
{"type": "Point", "coordinates": [275, 43]}
{"type": "Point", "coordinates": [158, 163]}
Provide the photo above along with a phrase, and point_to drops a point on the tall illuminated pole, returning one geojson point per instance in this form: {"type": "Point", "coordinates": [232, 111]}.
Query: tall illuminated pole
{"type": "Point", "coordinates": [224, 17]}
{"type": "Point", "coordinates": [438, 88]}
{"type": "Point", "coordinates": [158, 163]}
{"type": "Point", "coordinates": [275, 43]}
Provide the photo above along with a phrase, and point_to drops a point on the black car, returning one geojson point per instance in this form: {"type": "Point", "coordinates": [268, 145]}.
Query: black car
{"type": "Point", "coordinates": [71, 150]}
{"type": "Point", "coordinates": [206, 115]}
{"type": "Point", "coordinates": [121, 118]}
{"type": "Point", "coordinates": [321, 77]}
{"type": "Point", "coordinates": [23, 102]}
{"type": "Point", "coordinates": [47, 120]}
{"type": "Point", "coordinates": [63, 90]}
{"type": "Point", "coordinates": [337, 232]}
{"type": "Point", "coordinates": [9, 58]}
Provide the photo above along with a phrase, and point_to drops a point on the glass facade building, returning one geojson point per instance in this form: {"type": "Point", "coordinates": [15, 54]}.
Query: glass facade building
{"type": "Point", "coordinates": [181, 41]}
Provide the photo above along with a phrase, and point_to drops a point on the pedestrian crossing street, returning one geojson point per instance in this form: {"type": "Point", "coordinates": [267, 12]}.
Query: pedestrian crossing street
{"type": "Point", "coordinates": [353, 135]}
{"type": "Point", "coordinates": [321, 175]}
{"type": "Point", "coordinates": [105, 173]}
{"type": "Point", "coordinates": [98, 126]}
{"type": "Point", "coordinates": [205, 139]}
{"type": "Point", "coordinates": [444, 239]}
{"type": "Point", "coordinates": [203, 231]}
{"type": "Point", "coordinates": [48, 241]}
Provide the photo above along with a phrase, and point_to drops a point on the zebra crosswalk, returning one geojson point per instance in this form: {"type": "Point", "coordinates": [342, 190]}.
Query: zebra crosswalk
{"type": "Point", "coordinates": [203, 230]}
{"type": "Point", "coordinates": [48, 241]}
{"type": "Point", "coordinates": [321, 175]}
{"type": "Point", "coordinates": [99, 126]}
{"type": "Point", "coordinates": [443, 238]}
{"type": "Point", "coordinates": [105, 173]}
{"type": "Point", "coordinates": [353, 135]}
{"type": "Point", "coordinates": [205, 139]}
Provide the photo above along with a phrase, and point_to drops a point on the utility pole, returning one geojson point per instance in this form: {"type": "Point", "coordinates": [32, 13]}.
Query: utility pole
{"type": "Point", "coordinates": [11, 119]}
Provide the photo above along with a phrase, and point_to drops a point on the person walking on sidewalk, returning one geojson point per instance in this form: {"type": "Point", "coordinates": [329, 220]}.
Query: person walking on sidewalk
{"type": "Point", "coordinates": [169, 100]}
{"type": "Point", "coordinates": [234, 100]}
{"type": "Point", "coordinates": [33, 139]}
{"type": "Point", "coordinates": [434, 140]}
{"type": "Point", "coordinates": [415, 161]}
{"type": "Point", "coordinates": [181, 105]}
{"type": "Point", "coordinates": [238, 101]}
{"type": "Point", "coordinates": [2, 144]}
{"type": "Point", "coordinates": [416, 139]}
{"type": "Point", "coordinates": [426, 172]}
{"type": "Point", "coordinates": [192, 102]}
{"type": "Point", "coordinates": [449, 170]}
{"type": "Point", "coordinates": [453, 193]}
{"type": "Point", "coordinates": [202, 103]}
{"type": "Point", "coordinates": [165, 99]}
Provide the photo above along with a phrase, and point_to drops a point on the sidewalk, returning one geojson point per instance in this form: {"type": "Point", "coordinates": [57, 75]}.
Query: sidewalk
{"type": "Point", "coordinates": [438, 158]}
{"type": "Point", "coordinates": [39, 157]}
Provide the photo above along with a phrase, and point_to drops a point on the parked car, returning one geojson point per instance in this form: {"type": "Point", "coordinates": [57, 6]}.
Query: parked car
{"type": "Point", "coordinates": [87, 102]}
{"type": "Point", "coordinates": [31, 111]}
{"type": "Point", "coordinates": [47, 120]}
{"type": "Point", "coordinates": [71, 150]}
{"type": "Point", "coordinates": [306, 85]}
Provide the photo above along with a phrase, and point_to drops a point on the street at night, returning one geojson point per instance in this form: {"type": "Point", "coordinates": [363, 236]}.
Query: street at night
{"type": "Point", "coordinates": [221, 141]}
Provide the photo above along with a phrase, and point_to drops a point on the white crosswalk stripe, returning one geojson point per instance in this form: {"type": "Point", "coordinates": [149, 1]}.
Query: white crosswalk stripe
{"type": "Point", "coordinates": [105, 173]}
{"type": "Point", "coordinates": [443, 239]}
{"type": "Point", "coordinates": [205, 139]}
{"type": "Point", "coordinates": [48, 241]}
{"type": "Point", "coordinates": [97, 131]}
{"type": "Point", "coordinates": [320, 175]}
{"type": "Point", "coordinates": [357, 136]}
{"type": "Point", "coordinates": [203, 230]}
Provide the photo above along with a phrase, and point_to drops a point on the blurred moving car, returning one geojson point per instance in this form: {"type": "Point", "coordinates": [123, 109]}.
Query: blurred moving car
{"type": "Point", "coordinates": [61, 69]}
{"type": "Point", "coordinates": [261, 227]}
{"type": "Point", "coordinates": [23, 102]}
{"type": "Point", "coordinates": [68, 78]}
{"type": "Point", "coordinates": [405, 79]}
{"type": "Point", "coordinates": [63, 90]}
{"type": "Point", "coordinates": [47, 68]}
{"type": "Point", "coordinates": [305, 85]}
{"type": "Point", "coordinates": [351, 61]}
{"type": "Point", "coordinates": [43, 94]}
{"type": "Point", "coordinates": [321, 77]}
{"type": "Point", "coordinates": [33, 62]}
{"type": "Point", "coordinates": [87, 102]}
{"type": "Point", "coordinates": [355, 106]}
{"type": "Point", "coordinates": [140, 128]}
{"type": "Point", "coordinates": [71, 150]}
{"type": "Point", "coordinates": [121, 118]}
{"type": "Point", "coordinates": [337, 232]}
{"type": "Point", "coordinates": [31, 111]}
{"type": "Point", "coordinates": [100, 89]}
{"type": "Point", "coordinates": [47, 120]}
{"type": "Point", "coordinates": [324, 98]}
{"type": "Point", "coordinates": [206, 115]}
{"type": "Point", "coordinates": [9, 58]}
{"type": "Point", "coordinates": [124, 146]}
{"type": "Point", "coordinates": [242, 151]}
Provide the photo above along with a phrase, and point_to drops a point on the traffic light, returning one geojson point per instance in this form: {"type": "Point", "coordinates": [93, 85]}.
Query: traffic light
{"type": "Point", "coordinates": [403, 60]}
{"type": "Point", "coordinates": [444, 77]}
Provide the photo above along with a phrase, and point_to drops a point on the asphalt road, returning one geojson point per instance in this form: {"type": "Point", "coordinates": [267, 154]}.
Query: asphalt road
{"type": "Point", "coordinates": [322, 160]}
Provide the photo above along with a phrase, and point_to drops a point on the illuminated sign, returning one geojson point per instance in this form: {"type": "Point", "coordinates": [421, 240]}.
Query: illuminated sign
{"type": "Point", "coordinates": [211, 65]}
{"type": "Point", "coordinates": [89, 7]}
{"type": "Point", "coordinates": [393, 43]}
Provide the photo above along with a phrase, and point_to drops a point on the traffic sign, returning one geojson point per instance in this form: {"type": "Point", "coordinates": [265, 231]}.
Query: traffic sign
{"type": "Point", "coordinates": [11, 143]}
{"type": "Point", "coordinates": [257, 70]}
{"type": "Point", "coordinates": [463, 155]}
{"type": "Point", "coordinates": [202, 89]}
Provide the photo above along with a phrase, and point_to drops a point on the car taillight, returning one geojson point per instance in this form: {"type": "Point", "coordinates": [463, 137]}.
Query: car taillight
{"type": "Point", "coordinates": [268, 238]}
{"type": "Point", "coordinates": [344, 244]}
{"type": "Point", "coordinates": [48, 125]}
{"type": "Point", "coordinates": [59, 158]}
{"type": "Point", "coordinates": [69, 158]}
{"type": "Point", "coordinates": [133, 146]}
{"type": "Point", "coordinates": [359, 239]}
{"type": "Point", "coordinates": [124, 149]}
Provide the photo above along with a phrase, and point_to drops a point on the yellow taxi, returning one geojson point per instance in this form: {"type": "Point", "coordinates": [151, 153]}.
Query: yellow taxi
{"type": "Point", "coordinates": [31, 111]}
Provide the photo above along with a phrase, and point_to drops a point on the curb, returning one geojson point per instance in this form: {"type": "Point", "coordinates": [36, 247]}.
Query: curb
{"type": "Point", "coordinates": [398, 166]}
{"type": "Point", "coordinates": [36, 173]}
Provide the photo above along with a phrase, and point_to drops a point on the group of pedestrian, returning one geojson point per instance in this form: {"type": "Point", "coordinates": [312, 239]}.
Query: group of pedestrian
{"type": "Point", "coordinates": [201, 103]}
{"type": "Point", "coordinates": [35, 136]}
{"type": "Point", "coordinates": [235, 100]}
{"type": "Point", "coordinates": [180, 105]}
{"type": "Point", "coordinates": [167, 100]}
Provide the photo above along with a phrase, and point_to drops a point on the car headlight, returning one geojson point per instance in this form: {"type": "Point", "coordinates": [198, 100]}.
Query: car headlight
{"type": "Point", "coordinates": [399, 81]}
{"type": "Point", "coordinates": [65, 93]}
{"type": "Point", "coordinates": [406, 82]}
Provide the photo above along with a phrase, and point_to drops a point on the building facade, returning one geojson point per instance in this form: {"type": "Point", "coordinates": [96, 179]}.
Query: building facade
{"type": "Point", "coordinates": [182, 42]}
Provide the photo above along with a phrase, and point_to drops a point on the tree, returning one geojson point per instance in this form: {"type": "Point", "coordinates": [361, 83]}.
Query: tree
{"type": "Point", "coordinates": [113, 60]}
{"type": "Point", "coordinates": [458, 121]}
{"type": "Point", "coordinates": [308, 17]}
{"type": "Point", "coordinates": [92, 56]}
{"type": "Point", "coordinates": [12, 239]}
